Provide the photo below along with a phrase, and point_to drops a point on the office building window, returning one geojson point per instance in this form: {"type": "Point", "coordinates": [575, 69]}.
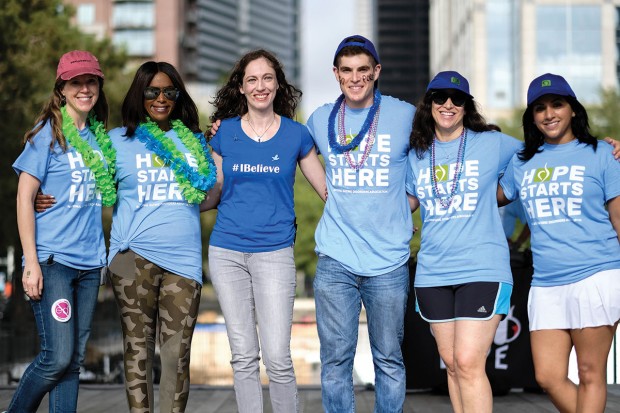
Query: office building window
{"type": "Point", "coordinates": [501, 66]}
{"type": "Point", "coordinates": [568, 42]}
{"type": "Point", "coordinates": [140, 14]}
{"type": "Point", "coordinates": [136, 42]}
{"type": "Point", "coordinates": [85, 14]}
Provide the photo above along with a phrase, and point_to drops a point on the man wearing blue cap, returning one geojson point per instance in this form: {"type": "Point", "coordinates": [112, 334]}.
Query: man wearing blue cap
{"type": "Point", "coordinates": [362, 239]}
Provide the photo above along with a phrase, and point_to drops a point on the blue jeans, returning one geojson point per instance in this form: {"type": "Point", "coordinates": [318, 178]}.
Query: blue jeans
{"type": "Point", "coordinates": [339, 295]}
{"type": "Point", "coordinates": [56, 369]}
{"type": "Point", "coordinates": [258, 288]}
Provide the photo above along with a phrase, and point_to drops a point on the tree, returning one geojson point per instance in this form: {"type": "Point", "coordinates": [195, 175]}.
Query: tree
{"type": "Point", "coordinates": [308, 211]}
{"type": "Point", "coordinates": [35, 33]}
{"type": "Point", "coordinates": [604, 120]}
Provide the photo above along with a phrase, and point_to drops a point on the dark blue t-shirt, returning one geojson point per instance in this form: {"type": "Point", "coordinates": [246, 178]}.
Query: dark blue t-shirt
{"type": "Point", "coordinates": [256, 211]}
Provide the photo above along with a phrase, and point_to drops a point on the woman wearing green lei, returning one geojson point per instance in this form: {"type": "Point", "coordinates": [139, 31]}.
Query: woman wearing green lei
{"type": "Point", "coordinates": [67, 154]}
{"type": "Point", "coordinates": [164, 172]}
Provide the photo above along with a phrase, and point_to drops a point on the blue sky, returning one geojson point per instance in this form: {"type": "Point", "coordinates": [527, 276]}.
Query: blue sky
{"type": "Point", "coordinates": [324, 24]}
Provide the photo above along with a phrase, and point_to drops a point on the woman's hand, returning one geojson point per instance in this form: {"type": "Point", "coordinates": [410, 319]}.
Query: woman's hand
{"type": "Point", "coordinates": [616, 144]}
{"type": "Point", "coordinates": [214, 127]}
{"type": "Point", "coordinates": [32, 280]}
{"type": "Point", "coordinates": [43, 202]}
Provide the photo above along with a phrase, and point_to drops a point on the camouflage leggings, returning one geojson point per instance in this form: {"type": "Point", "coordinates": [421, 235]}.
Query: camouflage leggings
{"type": "Point", "coordinates": [150, 297]}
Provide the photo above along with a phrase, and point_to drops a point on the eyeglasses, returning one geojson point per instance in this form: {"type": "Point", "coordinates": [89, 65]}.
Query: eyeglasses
{"type": "Point", "coordinates": [440, 97]}
{"type": "Point", "coordinates": [170, 93]}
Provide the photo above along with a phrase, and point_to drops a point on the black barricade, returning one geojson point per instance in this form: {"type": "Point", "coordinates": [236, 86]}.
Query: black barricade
{"type": "Point", "coordinates": [509, 364]}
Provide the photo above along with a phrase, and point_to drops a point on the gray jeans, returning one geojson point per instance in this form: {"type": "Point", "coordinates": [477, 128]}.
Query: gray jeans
{"type": "Point", "coordinates": [258, 288]}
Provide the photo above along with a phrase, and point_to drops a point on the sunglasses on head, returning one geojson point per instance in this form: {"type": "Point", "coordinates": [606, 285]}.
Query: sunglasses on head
{"type": "Point", "coordinates": [440, 97]}
{"type": "Point", "coordinates": [170, 93]}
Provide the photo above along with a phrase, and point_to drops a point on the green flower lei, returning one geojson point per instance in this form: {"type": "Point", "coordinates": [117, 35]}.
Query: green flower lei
{"type": "Point", "coordinates": [104, 176]}
{"type": "Point", "coordinates": [194, 183]}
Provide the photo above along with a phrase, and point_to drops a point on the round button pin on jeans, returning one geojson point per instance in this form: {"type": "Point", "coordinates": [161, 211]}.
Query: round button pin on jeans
{"type": "Point", "coordinates": [61, 310]}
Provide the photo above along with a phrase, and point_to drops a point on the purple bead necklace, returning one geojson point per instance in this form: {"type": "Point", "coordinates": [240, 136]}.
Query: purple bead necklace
{"type": "Point", "coordinates": [342, 137]}
{"type": "Point", "coordinates": [460, 161]}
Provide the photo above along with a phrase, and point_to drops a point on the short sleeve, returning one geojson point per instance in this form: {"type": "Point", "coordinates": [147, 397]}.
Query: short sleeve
{"type": "Point", "coordinates": [508, 147]}
{"type": "Point", "coordinates": [409, 181]}
{"type": "Point", "coordinates": [215, 142]}
{"type": "Point", "coordinates": [611, 172]}
{"type": "Point", "coordinates": [35, 158]}
{"type": "Point", "coordinates": [306, 141]}
{"type": "Point", "coordinates": [310, 127]}
{"type": "Point", "coordinates": [507, 181]}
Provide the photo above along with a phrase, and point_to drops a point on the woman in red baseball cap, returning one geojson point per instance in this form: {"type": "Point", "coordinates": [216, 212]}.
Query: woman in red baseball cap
{"type": "Point", "coordinates": [67, 153]}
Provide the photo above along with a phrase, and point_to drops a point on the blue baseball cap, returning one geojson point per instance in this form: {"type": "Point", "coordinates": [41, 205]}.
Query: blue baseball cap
{"type": "Point", "coordinates": [360, 41]}
{"type": "Point", "coordinates": [449, 80]}
{"type": "Point", "coordinates": [548, 84]}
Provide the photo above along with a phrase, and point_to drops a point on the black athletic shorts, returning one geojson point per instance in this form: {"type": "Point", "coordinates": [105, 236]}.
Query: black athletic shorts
{"type": "Point", "coordinates": [470, 301]}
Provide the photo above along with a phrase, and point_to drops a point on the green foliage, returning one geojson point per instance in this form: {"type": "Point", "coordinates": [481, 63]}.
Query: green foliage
{"type": "Point", "coordinates": [513, 126]}
{"type": "Point", "coordinates": [604, 119]}
{"type": "Point", "coordinates": [414, 244]}
{"type": "Point", "coordinates": [308, 209]}
{"type": "Point", "coordinates": [35, 33]}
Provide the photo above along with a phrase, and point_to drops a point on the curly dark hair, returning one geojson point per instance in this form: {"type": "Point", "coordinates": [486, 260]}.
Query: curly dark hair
{"type": "Point", "coordinates": [423, 129]}
{"type": "Point", "coordinates": [51, 112]}
{"type": "Point", "coordinates": [133, 111]}
{"type": "Point", "coordinates": [229, 102]}
{"type": "Point", "coordinates": [534, 138]}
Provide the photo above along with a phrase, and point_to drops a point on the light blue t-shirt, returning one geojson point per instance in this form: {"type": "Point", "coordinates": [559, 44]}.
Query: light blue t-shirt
{"type": "Point", "coordinates": [366, 224]}
{"type": "Point", "coordinates": [563, 191]}
{"type": "Point", "coordinates": [71, 229]}
{"type": "Point", "coordinates": [466, 242]}
{"type": "Point", "coordinates": [151, 217]}
{"type": "Point", "coordinates": [256, 210]}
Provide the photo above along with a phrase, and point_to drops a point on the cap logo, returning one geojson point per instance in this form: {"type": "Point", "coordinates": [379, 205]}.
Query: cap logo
{"type": "Point", "coordinates": [546, 83]}
{"type": "Point", "coordinates": [455, 80]}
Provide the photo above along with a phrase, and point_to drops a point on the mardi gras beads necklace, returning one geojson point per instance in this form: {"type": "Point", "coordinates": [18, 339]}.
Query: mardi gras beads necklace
{"type": "Point", "coordinates": [339, 144]}
{"type": "Point", "coordinates": [446, 201]}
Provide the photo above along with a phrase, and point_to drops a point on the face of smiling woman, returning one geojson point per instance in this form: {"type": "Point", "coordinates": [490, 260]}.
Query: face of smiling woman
{"type": "Point", "coordinates": [259, 85]}
{"type": "Point", "coordinates": [553, 116]}
{"type": "Point", "coordinates": [160, 108]}
{"type": "Point", "coordinates": [81, 94]}
{"type": "Point", "coordinates": [448, 119]}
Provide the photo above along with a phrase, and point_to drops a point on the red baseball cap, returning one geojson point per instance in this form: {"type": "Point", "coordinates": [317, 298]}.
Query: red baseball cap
{"type": "Point", "coordinates": [77, 62]}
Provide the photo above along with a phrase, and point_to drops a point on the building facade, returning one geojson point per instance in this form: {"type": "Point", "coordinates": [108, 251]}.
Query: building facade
{"type": "Point", "coordinates": [501, 45]}
{"type": "Point", "coordinates": [226, 29]}
{"type": "Point", "coordinates": [403, 43]}
{"type": "Point", "coordinates": [202, 38]}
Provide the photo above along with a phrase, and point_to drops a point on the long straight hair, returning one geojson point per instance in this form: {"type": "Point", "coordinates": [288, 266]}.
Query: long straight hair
{"type": "Point", "coordinates": [534, 138]}
{"type": "Point", "coordinates": [133, 111]}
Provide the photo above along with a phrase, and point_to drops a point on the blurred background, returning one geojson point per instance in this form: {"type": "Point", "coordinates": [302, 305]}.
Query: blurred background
{"type": "Point", "coordinates": [499, 45]}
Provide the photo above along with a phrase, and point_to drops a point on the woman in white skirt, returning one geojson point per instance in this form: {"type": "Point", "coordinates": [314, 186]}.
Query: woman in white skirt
{"type": "Point", "coordinates": [569, 185]}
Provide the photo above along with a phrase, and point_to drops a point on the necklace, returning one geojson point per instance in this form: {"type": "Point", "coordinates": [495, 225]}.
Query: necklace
{"type": "Point", "coordinates": [439, 170]}
{"type": "Point", "coordinates": [341, 147]}
{"type": "Point", "coordinates": [260, 135]}
{"type": "Point", "coordinates": [193, 182]}
{"type": "Point", "coordinates": [342, 137]}
{"type": "Point", "coordinates": [104, 174]}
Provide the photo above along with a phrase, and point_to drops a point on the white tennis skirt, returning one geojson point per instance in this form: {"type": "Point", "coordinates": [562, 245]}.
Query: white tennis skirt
{"type": "Point", "coordinates": [592, 302]}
